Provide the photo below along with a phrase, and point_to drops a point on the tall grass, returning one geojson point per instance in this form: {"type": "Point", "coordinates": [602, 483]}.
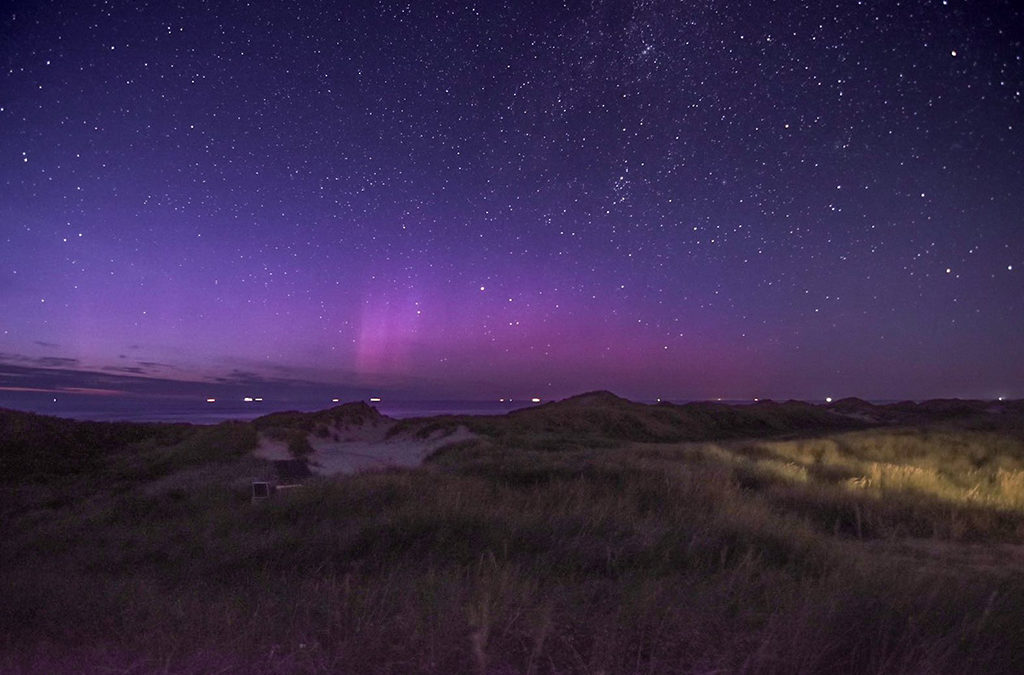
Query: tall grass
{"type": "Point", "coordinates": [746, 556]}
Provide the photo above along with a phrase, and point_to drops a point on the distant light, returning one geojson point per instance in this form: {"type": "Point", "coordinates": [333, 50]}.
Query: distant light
{"type": "Point", "coordinates": [1000, 398]}
{"type": "Point", "coordinates": [247, 399]}
{"type": "Point", "coordinates": [535, 400]}
{"type": "Point", "coordinates": [334, 400]}
{"type": "Point", "coordinates": [952, 53]}
{"type": "Point", "coordinates": [828, 399]}
{"type": "Point", "coordinates": [482, 288]}
{"type": "Point", "coordinates": [756, 400]}
{"type": "Point", "coordinates": [501, 400]}
{"type": "Point", "coordinates": [375, 399]}
{"type": "Point", "coordinates": [258, 399]}
{"type": "Point", "coordinates": [55, 400]}
{"type": "Point", "coordinates": [211, 400]}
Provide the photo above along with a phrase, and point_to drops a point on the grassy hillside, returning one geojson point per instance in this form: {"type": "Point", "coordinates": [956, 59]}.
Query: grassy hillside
{"type": "Point", "coordinates": [790, 542]}
{"type": "Point", "coordinates": [601, 419]}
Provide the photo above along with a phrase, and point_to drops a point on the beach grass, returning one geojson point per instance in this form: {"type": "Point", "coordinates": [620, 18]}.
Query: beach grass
{"type": "Point", "coordinates": [870, 550]}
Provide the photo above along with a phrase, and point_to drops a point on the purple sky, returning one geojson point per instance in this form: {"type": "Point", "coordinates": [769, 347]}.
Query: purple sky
{"type": "Point", "coordinates": [459, 200]}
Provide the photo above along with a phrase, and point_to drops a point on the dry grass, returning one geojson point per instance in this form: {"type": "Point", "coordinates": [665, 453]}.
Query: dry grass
{"type": "Point", "coordinates": [795, 556]}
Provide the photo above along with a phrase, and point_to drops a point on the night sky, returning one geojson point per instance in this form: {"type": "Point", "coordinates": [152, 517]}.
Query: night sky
{"type": "Point", "coordinates": [457, 200]}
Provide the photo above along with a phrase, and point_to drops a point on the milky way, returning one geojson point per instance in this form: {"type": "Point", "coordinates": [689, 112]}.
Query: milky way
{"type": "Point", "coordinates": [680, 200]}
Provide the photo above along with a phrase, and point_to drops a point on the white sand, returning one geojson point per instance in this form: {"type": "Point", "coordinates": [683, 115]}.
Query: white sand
{"type": "Point", "coordinates": [364, 447]}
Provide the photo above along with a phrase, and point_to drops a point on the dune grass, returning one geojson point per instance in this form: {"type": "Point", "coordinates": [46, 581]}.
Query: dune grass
{"type": "Point", "coordinates": [879, 551]}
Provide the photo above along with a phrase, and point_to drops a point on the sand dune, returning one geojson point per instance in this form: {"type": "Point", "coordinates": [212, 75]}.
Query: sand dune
{"type": "Point", "coordinates": [365, 447]}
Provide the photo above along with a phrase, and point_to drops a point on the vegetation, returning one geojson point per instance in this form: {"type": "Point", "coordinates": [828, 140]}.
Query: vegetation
{"type": "Point", "coordinates": [809, 549]}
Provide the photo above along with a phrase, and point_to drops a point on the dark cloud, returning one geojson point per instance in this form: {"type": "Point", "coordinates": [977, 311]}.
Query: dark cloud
{"type": "Point", "coordinates": [52, 345]}
{"type": "Point", "coordinates": [55, 362]}
{"type": "Point", "coordinates": [53, 374]}
{"type": "Point", "coordinates": [126, 369]}
{"type": "Point", "coordinates": [39, 361]}
{"type": "Point", "coordinates": [241, 377]}
{"type": "Point", "coordinates": [142, 368]}
{"type": "Point", "coordinates": [157, 365]}
{"type": "Point", "coordinates": [24, 376]}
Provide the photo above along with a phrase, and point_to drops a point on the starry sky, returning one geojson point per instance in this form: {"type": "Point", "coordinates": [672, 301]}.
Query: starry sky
{"type": "Point", "coordinates": [472, 200]}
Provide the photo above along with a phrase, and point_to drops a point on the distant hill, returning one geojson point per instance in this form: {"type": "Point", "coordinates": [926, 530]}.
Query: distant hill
{"type": "Point", "coordinates": [970, 412]}
{"type": "Point", "coordinates": [600, 418]}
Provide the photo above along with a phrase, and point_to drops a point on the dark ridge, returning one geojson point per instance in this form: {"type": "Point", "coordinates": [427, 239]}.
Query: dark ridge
{"type": "Point", "coordinates": [765, 402]}
{"type": "Point", "coordinates": [355, 413]}
{"type": "Point", "coordinates": [709, 421]}
{"type": "Point", "coordinates": [598, 397]}
{"type": "Point", "coordinates": [851, 404]}
{"type": "Point", "coordinates": [953, 406]}
{"type": "Point", "coordinates": [589, 400]}
{"type": "Point", "coordinates": [600, 417]}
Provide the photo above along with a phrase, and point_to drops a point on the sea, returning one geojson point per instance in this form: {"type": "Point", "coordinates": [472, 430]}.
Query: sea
{"type": "Point", "coordinates": [121, 409]}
